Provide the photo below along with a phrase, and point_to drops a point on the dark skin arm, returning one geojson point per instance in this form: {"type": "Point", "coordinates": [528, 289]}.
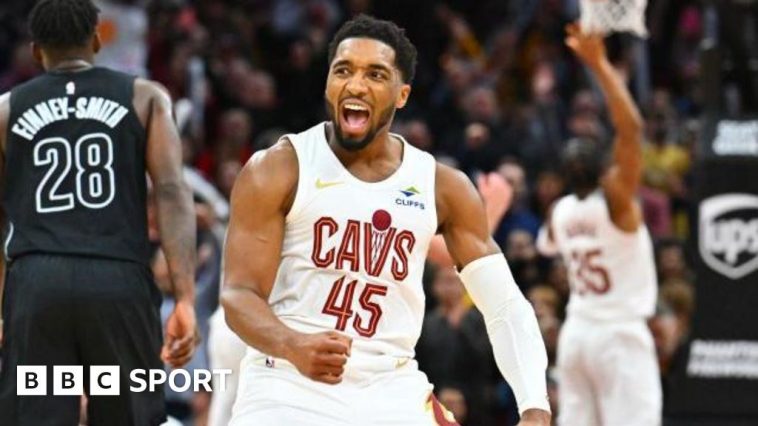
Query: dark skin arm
{"type": "Point", "coordinates": [260, 200]}
{"type": "Point", "coordinates": [622, 180]}
{"type": "Point", "coordinates": [463, 221]}
{"type": "Point", "coordinates": [176, 216]}
{"type": "Point", "coordinates": [5, 108]}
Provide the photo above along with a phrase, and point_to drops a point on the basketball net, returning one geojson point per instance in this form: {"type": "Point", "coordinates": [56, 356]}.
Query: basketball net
{"type": "Point", "coordinates": [606, 16]}
{"type": "Point", "coordinates": [377, 243]}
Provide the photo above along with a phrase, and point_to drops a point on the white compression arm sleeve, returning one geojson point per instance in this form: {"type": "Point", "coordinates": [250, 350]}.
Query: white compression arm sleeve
{"type": "Point", "coordinates": [512, 327]}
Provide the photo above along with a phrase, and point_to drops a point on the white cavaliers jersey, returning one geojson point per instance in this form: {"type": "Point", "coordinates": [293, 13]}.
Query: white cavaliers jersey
{"type": "Point", "coordinates": [611, 272]}
{"type": "Point", "coordinates": [353, 253]}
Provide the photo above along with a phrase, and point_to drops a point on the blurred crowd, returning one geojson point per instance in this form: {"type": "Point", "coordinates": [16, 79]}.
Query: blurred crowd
{"type": "Point", "coordinates": [496, 91]}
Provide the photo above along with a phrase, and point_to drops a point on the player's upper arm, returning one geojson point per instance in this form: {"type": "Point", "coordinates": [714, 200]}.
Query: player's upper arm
{"type": "Point", "coordinates": [164, 146]}
{"type": "Point", "coordinates": [622, 181]}
{"type": "Point", "coordinates": [462, 217]}
{"type": "Point", "coordinates": [625, 174]}
{"type": "Point", "coordinates": [261, 197]}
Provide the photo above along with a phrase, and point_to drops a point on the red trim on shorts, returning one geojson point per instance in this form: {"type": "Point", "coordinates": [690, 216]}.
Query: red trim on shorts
{"type": "Point", "coordinates": [439, 412]}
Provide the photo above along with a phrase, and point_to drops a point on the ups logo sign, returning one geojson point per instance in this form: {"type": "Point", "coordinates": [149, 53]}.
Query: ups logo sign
{"type": "Point", "coordinates": [729, 234]}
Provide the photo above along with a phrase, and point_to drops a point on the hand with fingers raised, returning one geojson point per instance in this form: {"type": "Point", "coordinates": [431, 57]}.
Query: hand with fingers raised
{"type": "Point", "coordinates": [589, 47]}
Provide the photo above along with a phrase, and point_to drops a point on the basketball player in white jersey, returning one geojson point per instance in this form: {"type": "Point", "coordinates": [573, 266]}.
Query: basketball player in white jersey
{"type": "Point", "coordinates": [606, 358]}
{"type": "Point", "coordinates": [325, 251]}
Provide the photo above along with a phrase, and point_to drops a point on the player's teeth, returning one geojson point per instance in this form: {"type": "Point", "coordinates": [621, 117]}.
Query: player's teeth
{"type": "Point", "coordinates": [355, 107]}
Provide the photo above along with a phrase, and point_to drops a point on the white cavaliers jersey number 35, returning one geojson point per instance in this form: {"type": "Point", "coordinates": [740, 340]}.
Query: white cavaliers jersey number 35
{"type": "Point", "coordinates": [612, 273]}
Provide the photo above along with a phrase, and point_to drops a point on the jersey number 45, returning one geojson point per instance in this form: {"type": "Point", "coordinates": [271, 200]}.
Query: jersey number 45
{"type": "Point", "coordinates": [343, 310]}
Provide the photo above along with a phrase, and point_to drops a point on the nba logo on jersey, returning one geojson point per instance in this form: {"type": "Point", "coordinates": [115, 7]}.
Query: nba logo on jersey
{"type": "Point", "coordinates": [270, 362]}
{"type": "Point", "coordinates": [70, 88]}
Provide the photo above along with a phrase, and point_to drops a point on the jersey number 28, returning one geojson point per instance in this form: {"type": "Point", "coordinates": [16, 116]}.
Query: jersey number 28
{"type": "Point", "coordinates": [95, 183]}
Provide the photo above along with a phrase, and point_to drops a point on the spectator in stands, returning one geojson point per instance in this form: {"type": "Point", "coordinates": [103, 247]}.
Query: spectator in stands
{"type": "Point", "coordinates": [519, 216]}
{"type": "Point", "coordinates": [680, 297]}
{"type": "Point", "coordinates": [417, 132]}
{"type": "Point", "coordinates": [548, 308]}
{"type": "Point", "coordinates": [22, 67]}
{"type": "Point", "coordinates": [523, 258]}
{"type": "Point", "coordinates": [666, 163]}
{"type": "Point", "coordinates": [671, 262]}
{"type": "Point", "coordinates": [233, 142]}
{"type": "Point", "coordinates": [548, 187]}
{"type": "Point", "coordinates": [557, 278]}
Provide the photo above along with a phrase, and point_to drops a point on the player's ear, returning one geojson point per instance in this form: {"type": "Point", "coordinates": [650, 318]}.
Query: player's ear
{"type": "Point", "coordinates": [402, 99]}
{"type": "Point", "coordinates": [96, 42]}
{"type": "Point", "coordinates": [36, 52]}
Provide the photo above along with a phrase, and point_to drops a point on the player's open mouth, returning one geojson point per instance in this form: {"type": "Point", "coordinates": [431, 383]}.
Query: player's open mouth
{"type": "Point", "coordinates": [355, 117]}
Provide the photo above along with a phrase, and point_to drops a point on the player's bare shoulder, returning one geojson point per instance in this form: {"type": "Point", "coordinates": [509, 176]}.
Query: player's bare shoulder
{"type": "Point", "coordinates": [149, 94]}
{"type": "Point", "coordinates": [271, 175]}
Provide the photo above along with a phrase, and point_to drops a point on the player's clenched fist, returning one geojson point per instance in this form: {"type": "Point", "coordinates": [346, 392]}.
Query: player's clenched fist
{"type": "Point", "coordinates": [321, 356]}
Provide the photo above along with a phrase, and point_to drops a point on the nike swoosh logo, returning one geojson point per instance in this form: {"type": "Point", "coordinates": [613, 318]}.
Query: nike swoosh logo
{"type": "Point", "coordinates": [321, 184]}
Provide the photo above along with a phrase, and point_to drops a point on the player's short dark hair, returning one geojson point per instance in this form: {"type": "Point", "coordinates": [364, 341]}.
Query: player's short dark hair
{"type": "Point", "coordinates": [364, 26]}
{"type": "Point", "coordinates": [63, 23]}
{"type": "Point", "coordinates": [583, 160]}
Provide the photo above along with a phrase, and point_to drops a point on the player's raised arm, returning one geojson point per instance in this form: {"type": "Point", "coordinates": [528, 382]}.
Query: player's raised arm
{"type": "Point", "coordinates": [621, 182]}
{"type": "Point", "coordinates": [511, 323]}
{"type": "Point", "coordinates": [261, 197]}
{"type": "Point", "coordinates": [176, 216]}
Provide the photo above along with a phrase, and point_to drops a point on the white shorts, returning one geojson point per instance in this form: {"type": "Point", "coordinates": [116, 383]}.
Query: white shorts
{"type": "Point", "coordinates": [273, 393]}
{"type": "Point", "coordinates": [608, 374]}
{"type": "Point", "coordinates": [225, 350]}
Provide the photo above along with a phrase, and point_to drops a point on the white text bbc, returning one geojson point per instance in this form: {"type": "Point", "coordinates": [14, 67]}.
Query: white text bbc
{"type": "Point", "coordinates": [106, 380]}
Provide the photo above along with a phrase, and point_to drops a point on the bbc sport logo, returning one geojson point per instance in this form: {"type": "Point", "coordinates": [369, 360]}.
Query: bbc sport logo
{"type": "Point", "coordinates": [106, 380]}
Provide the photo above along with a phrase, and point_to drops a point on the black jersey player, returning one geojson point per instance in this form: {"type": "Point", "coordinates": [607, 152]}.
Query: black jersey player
{"type": "Point", "coordinates": [77, 142]}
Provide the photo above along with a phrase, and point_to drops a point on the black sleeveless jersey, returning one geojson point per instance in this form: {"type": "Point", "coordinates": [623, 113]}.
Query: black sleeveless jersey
{"type": "Point", "coordinates": [75, 179]}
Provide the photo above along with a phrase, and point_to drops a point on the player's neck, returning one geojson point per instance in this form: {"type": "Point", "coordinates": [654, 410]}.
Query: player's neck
{"type": "Point", "coordinates": [70, 61]}
{"type": "Point", "coordinates": [584, 192]}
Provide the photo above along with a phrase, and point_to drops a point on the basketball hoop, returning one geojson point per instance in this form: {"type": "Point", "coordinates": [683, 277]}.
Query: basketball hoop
{"type": "Point", "coordinates": [606, 16]}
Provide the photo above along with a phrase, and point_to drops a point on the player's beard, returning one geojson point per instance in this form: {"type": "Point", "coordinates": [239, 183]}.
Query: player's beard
{"type": "Point", "coordinates": [352, 144]}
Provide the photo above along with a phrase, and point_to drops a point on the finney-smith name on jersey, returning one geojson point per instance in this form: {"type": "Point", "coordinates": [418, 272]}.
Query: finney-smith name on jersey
{"type": "Point", "coordinates": [35, 118]}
